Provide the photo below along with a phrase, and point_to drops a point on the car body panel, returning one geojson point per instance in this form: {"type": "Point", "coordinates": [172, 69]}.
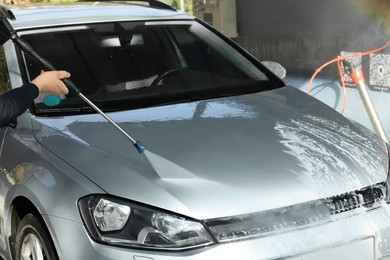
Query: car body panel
{"type": "Point", "coordinates": [37, 174]}
{"type": "Point", "coordinates": [263, 137]}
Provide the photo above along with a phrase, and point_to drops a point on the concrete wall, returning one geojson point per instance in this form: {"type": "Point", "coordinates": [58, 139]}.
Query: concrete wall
{"type": "Point", "coordinates": [303, 34]}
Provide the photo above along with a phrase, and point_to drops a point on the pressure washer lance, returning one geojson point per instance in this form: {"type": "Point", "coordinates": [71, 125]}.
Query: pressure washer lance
{"type": "Point", "coordinates": [358, 79]}
{"type": "Point", "coordinates": [7, 32]}
{"type": "Point", "coordinates": [46, 65]}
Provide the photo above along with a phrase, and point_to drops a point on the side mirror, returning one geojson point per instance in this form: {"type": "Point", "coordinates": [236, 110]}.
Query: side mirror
{"type": "Point", "coordinates": [275, 68]}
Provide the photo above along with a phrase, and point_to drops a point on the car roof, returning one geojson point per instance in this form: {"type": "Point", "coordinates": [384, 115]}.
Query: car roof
{"type": "Point", "coordinates": [47, 15]}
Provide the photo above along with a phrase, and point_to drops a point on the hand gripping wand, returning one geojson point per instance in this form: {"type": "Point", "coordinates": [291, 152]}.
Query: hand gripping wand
{"type": "Point", "coordinates": [7, 32]}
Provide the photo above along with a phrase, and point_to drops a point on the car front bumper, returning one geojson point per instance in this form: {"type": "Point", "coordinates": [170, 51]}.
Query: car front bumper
{"type": "Point", "coordinates": [365, 235]}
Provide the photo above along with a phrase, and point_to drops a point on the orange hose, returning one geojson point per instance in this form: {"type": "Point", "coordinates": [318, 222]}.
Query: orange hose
{"type": "Point", "coordinates": [342, 84]}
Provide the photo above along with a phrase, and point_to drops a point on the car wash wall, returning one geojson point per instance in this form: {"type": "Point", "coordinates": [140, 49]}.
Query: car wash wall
{"type": "Point", "coordinates": [302, 34]}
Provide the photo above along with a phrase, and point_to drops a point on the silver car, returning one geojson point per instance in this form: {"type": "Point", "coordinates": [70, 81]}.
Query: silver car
{"type": "Point", "coordinates": [238, 165]}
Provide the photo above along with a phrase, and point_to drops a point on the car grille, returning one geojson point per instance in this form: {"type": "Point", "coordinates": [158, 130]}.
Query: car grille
{"type": "Point", "coordinates": [363, 198]}
{"type": "Point", "coordinates": [301, 215]}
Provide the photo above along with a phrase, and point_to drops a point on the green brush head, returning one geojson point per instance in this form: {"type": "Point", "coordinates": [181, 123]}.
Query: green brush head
{"type": "Point", "coordinates": [51, 100]}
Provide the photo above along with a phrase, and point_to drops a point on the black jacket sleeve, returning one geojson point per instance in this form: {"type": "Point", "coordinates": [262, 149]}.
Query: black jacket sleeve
{"type": "Point", "coordinates": [16, 101]}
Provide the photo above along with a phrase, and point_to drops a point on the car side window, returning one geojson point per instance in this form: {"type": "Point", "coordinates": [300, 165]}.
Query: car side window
{"type": "Point", "coordinates": [4, 80]}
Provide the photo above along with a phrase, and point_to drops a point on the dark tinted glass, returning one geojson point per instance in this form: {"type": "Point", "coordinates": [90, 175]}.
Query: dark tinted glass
{"type": "Point", "coordinates": [139, 64]}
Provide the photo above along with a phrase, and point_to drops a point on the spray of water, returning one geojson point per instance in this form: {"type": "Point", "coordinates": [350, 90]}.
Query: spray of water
{"type": "Point", "coordinates": [167, 169]}
{"type": "Point", "coordinates": [179, 181]}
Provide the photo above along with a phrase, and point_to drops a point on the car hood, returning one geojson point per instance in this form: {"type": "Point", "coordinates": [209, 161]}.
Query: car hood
{"type": "Point", "coordinates": [224, 156]}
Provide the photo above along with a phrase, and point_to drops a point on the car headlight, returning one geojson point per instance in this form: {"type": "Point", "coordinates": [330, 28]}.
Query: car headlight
{"type": "Point", "coordinates": [119, 222]}
{"type": "Point", "coordinates": [110, 216]}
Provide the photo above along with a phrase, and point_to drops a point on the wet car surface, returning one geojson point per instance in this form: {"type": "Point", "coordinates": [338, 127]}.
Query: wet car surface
{"type": "Point", "coordinates": [238, 165]}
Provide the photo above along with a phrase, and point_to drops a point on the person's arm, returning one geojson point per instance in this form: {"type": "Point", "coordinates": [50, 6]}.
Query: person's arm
{"type": "Point", "coordinates": [16, 101]}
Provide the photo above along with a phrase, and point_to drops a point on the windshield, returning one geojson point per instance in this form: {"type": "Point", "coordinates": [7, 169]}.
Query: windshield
{"type": "Point", "coordinates": [128, 65]}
